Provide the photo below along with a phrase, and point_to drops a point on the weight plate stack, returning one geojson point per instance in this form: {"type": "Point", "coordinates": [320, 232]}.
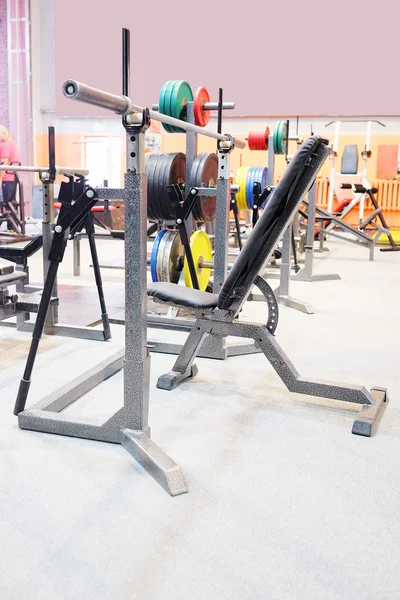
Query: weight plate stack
{"type": "Point", "coordinates": [163, 170]}
{"type": "Point", "coordinates": [255, 175]}
{"type": "Point", "coordinates": [154, 254]}
{"type": "Point", "coordinates": [174, 95]}
{"type": "Point", "coordinates": [204, 173]}
{"type": "Point", "coordinates": [257, 138]}
{"type": "Point", "coordinates": [169, 257]}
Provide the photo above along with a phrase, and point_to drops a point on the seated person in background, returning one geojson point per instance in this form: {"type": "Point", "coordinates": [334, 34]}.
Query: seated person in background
{"type": "Point", "coordinates": [9, 154]}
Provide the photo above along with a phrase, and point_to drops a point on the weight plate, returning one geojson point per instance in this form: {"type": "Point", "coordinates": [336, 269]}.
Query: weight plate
{"type": "Point", "coordinates": [150, 166]}
{"type": "Point", "coordinates": [181, 94]}
{"type": "Point", "coordinates": [201, 116]}
{"type": "Point", "coordinates": [249, 188]}
{"type": "Point", "coordinates": [241, 177]}
{"type": "Point", "coordinates": [276, 135]}
{"type": "Point", "coordinates": [154, 254]}
{"type": "Point", "coordinates": [158, 187]}
{"type": "Point", "coordinates": [204, 173]}
{"type": "Point", "coordinates": [257, 138]}
{"type": "Point", "coordinates": [174, 173]}
{"type": "Point", "coordinates": [169, 257]}
{"type": "Point", "coordinates": [280, 133]}
{"type": "Point", "coordinates": [200, 246]}
{"type": "Point", "coordinates": [164, 103]}
{"type": "Point", "coordinates": [283, 140]}
{"type": "Point", "coordinates": [162, 177]}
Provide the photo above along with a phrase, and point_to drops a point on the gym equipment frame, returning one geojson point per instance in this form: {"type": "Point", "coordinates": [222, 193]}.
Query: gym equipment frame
{"type": "Point", "coordinates": [47, 176]}
{"type": "Point", "coordinates": [217, 313]}
{"type": "Point", "coordinates": [129, 425]}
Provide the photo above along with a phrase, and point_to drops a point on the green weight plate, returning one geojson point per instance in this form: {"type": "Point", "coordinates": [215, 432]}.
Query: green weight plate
{"type": "Point", "coordinates": [283, 140]}
{"type": "Point", "coordinates": [276, 134]}
{"type": "Point", "coordinates": [168, 104]}
{"type": "Point", "coordinates": [181, 94]}
{"type": "Point", "coordinates": [164, 103]}
{"type": "Point", "coordinates": [280, 133]}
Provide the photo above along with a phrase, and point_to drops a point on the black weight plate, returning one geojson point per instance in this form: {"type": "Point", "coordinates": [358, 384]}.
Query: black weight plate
{"type": "Point", "coordinates": [150, 165]}
{"type": "Point", "coordinates": [159, 186]}
{"type": "Point", "coordinates": [198, 182]}
{"type": "Point", "coordinates": [207, 175]}
{"type": "Point", "coordinates": [176, 174]}
{"type": "Point", "coordinates": [168, 211]}
{"type": "Point", "coordinates": [196, 172]}
{"type": "Point", "coordinates": [204, 174]}
{"type": "Point", "coordinates": [154, 200]}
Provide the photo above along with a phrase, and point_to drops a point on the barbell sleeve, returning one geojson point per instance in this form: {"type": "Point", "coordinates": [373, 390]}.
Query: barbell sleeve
{"type": "Point", "coordinates": [123, 106]}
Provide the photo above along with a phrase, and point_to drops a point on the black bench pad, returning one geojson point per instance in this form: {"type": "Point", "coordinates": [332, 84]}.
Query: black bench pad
{"type": "Point", "coordinates": [179, 295]}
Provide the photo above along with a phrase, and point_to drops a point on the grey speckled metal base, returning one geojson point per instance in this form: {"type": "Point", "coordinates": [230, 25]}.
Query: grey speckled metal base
{"type": "Point", "coordinates": [371, 402]}
{"type": "Point", "coordinates": [46, 417]}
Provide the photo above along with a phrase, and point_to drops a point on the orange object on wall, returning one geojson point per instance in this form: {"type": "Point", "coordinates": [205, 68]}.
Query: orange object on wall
{"type": "Point", "coordinates": [386, 165]}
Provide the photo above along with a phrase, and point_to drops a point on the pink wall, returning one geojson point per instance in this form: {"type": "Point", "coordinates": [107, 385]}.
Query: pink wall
{"type": "Point", "coordinates": [4, 115]}
{"type": "Point", "coordinates": [272, 58]}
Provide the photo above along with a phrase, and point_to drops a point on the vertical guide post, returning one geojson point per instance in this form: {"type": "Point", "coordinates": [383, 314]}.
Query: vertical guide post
{"type": "Point", "coordinates": [137, 359]}
{"type": "Point", "coordinates": [126, 61]}
{"type": "Point", "coordinates": [47, 225]}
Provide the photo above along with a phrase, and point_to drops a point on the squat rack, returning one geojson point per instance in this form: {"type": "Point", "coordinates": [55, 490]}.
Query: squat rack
{"type": "Point", "coordinates": [129, 426]}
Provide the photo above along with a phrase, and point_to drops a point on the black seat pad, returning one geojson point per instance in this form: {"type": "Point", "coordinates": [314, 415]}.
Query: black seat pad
{"type": "Point", "coordinates": [179, 295]}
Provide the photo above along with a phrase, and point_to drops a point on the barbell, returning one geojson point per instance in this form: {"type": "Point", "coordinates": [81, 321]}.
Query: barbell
{"type": "Point", "coordinates": [122, 105]}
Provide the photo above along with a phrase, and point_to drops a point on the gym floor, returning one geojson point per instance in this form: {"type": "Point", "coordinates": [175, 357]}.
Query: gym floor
{"type": "Point", "coordinates": [284, 502]}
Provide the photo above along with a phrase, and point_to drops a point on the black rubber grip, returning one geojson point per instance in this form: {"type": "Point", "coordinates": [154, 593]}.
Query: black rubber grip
{"type": "Point", "coordinates": [345, 186]}
{"type": "Point", "coordinates": [22, 396]}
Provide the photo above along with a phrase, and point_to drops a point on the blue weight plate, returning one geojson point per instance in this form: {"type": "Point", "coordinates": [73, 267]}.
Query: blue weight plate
{"type": "Point", "coordinates": [153, 259]}
{"type": "Point", "coordinates": [250, 179]}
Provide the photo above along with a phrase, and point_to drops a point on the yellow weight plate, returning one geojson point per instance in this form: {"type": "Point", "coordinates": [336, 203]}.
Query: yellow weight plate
{"type": "Point", "coordinates": [241, 178]}
{"type": "Point", "coordinates": [201, 251]}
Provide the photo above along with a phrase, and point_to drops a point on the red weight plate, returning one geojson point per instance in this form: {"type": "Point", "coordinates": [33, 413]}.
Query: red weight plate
{"type": "Point", "coordinates": [201, 116]}
{"type": "Point", "coordinates": [252, 139]}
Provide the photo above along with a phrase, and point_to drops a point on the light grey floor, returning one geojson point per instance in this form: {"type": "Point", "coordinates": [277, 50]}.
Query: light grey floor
{"type": "Point", "coordinates": [284, 502]}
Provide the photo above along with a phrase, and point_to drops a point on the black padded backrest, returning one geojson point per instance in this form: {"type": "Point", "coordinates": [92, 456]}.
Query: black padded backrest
{"type": "Point", "coordinates": [280, 209]}
{"type": "Point", "coordinates": [349, 160]}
